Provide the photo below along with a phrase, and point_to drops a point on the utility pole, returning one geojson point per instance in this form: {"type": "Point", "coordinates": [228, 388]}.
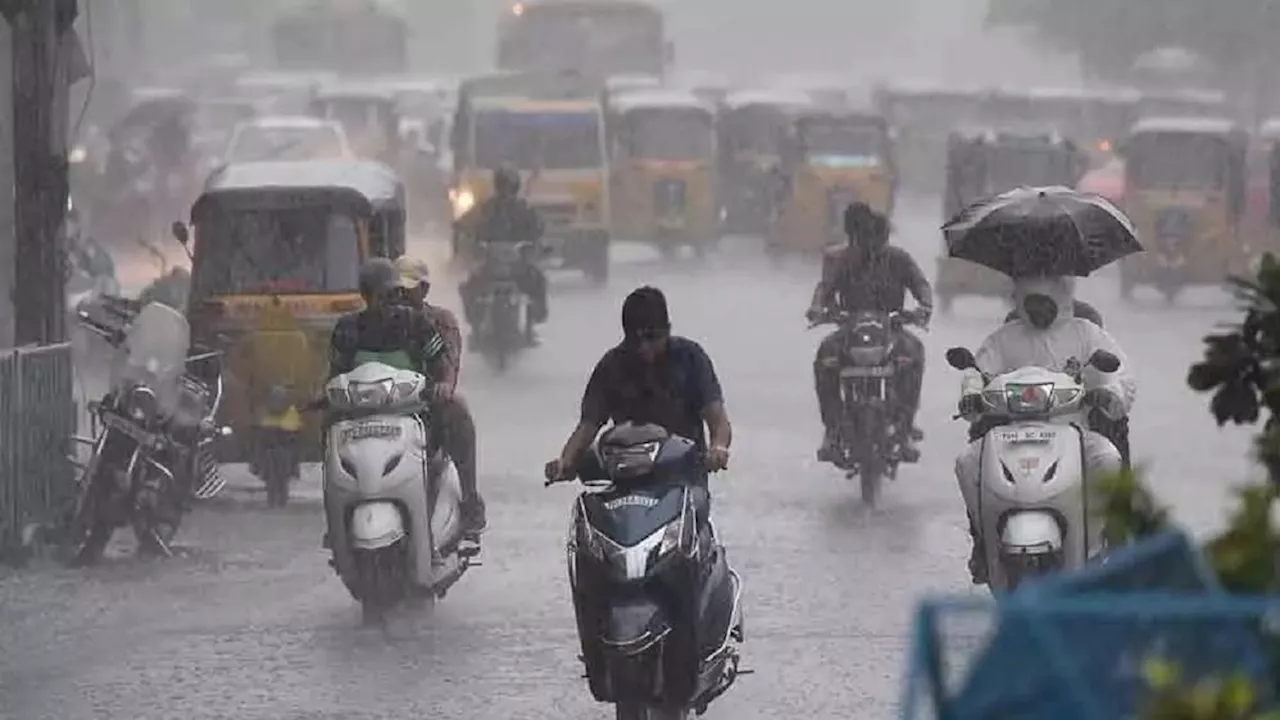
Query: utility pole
{"type": "Point", "coordinates": [40, 168]}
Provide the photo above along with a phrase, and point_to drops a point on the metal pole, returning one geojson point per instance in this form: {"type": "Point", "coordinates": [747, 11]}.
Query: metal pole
{"type": "Point", "coordinates": [40, 175]}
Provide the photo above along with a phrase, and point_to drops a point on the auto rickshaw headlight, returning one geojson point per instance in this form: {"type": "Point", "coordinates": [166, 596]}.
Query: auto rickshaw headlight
{"type": "Point", "coordinates": [462, 200]}
{"type": "Point", "coordinates": [78, 155]}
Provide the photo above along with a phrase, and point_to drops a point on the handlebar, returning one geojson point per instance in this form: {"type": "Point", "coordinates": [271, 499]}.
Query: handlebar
{"type": "Point", "coordinates": [700, 463]}
{"type": "Point", "coordinates": [898, 317]}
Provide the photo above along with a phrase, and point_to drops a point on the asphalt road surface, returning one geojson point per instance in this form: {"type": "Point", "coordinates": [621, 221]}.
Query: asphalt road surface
{"type": "Point", "coordinates": [250, 623]}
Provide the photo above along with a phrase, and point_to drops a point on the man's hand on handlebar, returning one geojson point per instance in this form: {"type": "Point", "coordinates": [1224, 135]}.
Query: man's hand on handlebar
{"type": "Point", "coordinates": [557, 471]}
{"type": "Point", "coordinates": [716, 458]}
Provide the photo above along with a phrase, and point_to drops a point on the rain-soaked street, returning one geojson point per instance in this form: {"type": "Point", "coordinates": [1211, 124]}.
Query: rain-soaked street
{"type": "Point", "coordinates": [252, 624]}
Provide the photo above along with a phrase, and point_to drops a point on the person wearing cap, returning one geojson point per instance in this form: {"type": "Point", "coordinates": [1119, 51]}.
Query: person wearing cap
{"type": "Point", "coordinates": [458, 426]}
{"type": "Point", "coordinates": [394, 329]}
{"type": "Point", "coordinates": [653, 377]}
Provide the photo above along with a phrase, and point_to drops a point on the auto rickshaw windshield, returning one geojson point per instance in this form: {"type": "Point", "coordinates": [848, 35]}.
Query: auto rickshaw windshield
{"type": "Point", "coordinates": [842, 144]}
{"type": "Point", "coordinates": [670, 134]}
{"type": "Point", "coordinates": [1009, 166]}
{"type": "Point", "coordinates": [294, 250]}
{"type": "Point", "coordinates": [538, 140]}
{"type": "Point", "coordinates": [757, 130]}
{"type": "Point", "coordinates": [1178, 160]}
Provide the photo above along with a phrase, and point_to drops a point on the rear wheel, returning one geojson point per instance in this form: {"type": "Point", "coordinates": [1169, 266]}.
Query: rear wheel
{"type": "Point", "coordinates": [628, 711]}
{"type": "Point", "coordinates": [1018, 569]}
{"type": "Point", "coordinates": [596, 260]}
{"type": "Point", "coordinates": [870, 479]}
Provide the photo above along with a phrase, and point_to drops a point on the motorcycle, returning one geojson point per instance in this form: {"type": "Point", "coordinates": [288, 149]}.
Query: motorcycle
{"type": "Point", "coordinates": [868, 446]}
{"type": "Point", "coordinates": [392, 499]}
{"type": "Point", "coordinates": [1032, 504]}
{"type": "Point", "coordinates": [150, 454]}
{"type": "Point", "coordinates": [658, 608]}
{"type": "Point", "coordinates": [502, 307]}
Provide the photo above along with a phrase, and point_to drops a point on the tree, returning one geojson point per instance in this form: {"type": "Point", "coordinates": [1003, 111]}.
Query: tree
{"type": "Point", "coordinates": [1108, 35]}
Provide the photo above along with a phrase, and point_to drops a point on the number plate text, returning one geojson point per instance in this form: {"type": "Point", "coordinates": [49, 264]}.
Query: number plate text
{"type": "Point", "coordinates": [365, 431]}
{"type": "Point", "coordinates": [869, 371]}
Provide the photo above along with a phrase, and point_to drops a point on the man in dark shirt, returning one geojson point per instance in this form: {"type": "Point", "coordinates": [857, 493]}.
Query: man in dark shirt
{"type": "Point", "coordinates": [506, 218]}
{"type": "Point", "coordinates": [651, 377]}
{"type": "Point", "coordinates": [869, 274]}
{"type": "Point", "coordinates": [394, 329]}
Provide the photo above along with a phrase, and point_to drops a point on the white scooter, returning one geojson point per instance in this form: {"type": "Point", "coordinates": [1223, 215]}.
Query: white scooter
{"type": "Point", "coordinates": [392, 501]}
{"type": "Point", "coordinates": [1032, 505]}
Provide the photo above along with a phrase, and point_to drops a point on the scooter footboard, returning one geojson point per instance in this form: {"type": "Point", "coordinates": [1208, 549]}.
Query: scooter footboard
{"type": "Point", "coordinates": [633, 626]}
{"type": "Point", "coordinates": [376, 524]}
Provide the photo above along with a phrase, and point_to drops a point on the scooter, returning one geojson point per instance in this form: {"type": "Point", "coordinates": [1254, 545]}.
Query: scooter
{"type": "Point", "coordinates": [391, 499]}
{"type": "Point", "coordinates": [1033, 510]}
{"type": "Point", "coordinates": [659, 610]}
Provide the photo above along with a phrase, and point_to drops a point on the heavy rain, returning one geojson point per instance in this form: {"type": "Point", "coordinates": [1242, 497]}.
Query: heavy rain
{"type": "Point", "coordinates": [245, 472]}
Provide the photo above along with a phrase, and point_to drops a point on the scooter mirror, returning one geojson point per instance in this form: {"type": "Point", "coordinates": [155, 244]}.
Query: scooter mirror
{"type": "Point", "coordinates": [180, 233]}
{"type": "Point", "coordinates": [961, 358]}
{"type": "Point", "coordinates": [1104, 361]}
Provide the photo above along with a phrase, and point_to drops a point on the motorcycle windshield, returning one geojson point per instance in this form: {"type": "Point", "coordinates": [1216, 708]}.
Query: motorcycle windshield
{"type": "Point", "coordinates": [154, 354]}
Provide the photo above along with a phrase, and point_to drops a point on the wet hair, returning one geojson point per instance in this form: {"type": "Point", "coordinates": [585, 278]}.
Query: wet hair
{"type": "Point", "coordinates": [645, 309]}
{"type": "Point", "coordinates": [378, 276]}
{"type": "Point", "coordinates": [506, 181]}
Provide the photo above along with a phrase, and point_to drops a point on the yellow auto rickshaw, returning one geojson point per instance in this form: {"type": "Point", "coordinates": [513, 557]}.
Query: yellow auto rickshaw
{"type": "Point", "coordinates": [369, 116]}
{"type": "Point", "coordinates": [987, 162]}
{"type": "Point", "coordinates": [831, 159]}
{"type": "Point", "coordinates": [664, 170]}
{"type": "Point", "coordinates": [276, 255]}
{"type": "Point", "coordinates": [1185, 190]}
{"type": "Point", "coordinates": [753, 127]}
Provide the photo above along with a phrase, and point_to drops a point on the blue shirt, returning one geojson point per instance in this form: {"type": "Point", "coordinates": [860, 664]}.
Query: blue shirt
{"type": "Point", "coordinates": [673, 391]}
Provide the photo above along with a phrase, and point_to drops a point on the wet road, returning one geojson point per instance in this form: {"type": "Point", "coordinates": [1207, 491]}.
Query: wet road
{"type": "Point", "coordinates": [252, 624]}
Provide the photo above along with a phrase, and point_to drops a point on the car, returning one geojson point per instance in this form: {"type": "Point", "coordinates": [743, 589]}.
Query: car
{"type": "Point", "coordinates": [288, 138]}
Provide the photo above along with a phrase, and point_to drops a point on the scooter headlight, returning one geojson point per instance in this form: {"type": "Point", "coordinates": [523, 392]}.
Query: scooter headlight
{"type": "Point", "coordinates": [376, 394]}
{"type": "Point", "coordinates": [1029, 399]}
{"type": "Point", "coordinates": [462, 200]}
{"type": "Point", "coordinates": [142, 404]}
{"type": "Point", "coordinates": [679, 534]}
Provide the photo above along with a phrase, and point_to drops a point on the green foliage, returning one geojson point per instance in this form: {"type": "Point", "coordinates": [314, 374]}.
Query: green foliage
{"type": "Point", "coordinates": [1234, 697]}
{"type": "Point", "coordinates": [1130, 510]}
{"type": "Point", "coordinates": [1244, 557]}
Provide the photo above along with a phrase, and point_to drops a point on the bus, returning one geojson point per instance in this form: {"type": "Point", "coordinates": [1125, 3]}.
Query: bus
{"type": "Point", "coordinates": [351, 38]}
{"type": "Point", "coordinates": [594, 37]}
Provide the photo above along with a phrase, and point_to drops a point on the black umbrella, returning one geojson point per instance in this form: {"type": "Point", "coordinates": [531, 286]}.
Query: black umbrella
{"type": "Point", "coordinates": [1041, 231]}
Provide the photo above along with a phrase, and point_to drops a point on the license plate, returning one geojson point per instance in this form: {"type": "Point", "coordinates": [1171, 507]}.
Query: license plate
{"type": "Point", "coordinates": [873, 371]}
{"type": "Point", "coordinates": [365, 431]}
{"type": "Point", "coordinates": [1026, 435]}
{"type": "Point", "coordinates": [119, 424]}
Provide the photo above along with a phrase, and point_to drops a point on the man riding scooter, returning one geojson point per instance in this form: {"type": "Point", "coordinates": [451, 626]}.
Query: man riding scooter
{"type": "Point", "coordinates": [1045, 334]}
{"type": "Point", "coordinates": [506, 218]}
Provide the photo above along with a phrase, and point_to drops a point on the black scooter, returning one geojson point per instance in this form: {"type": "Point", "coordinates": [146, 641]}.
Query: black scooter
{"type": "Point", "coordinates": [659, 610]}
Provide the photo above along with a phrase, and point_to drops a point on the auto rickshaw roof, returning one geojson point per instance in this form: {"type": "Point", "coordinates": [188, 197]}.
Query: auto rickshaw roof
{"type": "Point", "coordinates": [783, 98]}
{"type": "Point", "coordinates": [525, 104]}
{"type": "Point", "coordinates": [1270, 129]}
{"type": "Point", "coordinates": [284, 79]}
{"type": "Point", "coordinates": [1220, 126]}
{"type": "Point", "coordinates": [372, 186]}
{"type": "Point", "coordinates": [362, 92]}
{"type": "Point", "coordinates": [836, 115]}
{"type": "Point", "coordinates": [660, 99]}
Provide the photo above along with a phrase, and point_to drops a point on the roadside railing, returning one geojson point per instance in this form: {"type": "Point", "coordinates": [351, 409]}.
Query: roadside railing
{"type": "Point", "coordinates": [37, 421]}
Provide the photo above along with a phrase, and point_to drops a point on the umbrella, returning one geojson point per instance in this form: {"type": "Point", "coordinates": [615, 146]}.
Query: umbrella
{"type": "Point", "coordinates": [1041, 231]}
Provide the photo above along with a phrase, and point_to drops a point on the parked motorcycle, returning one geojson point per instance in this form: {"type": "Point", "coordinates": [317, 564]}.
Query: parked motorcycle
{"type": "Point", "coordinates": [868, 439]}
{"type": "Point", "coordinates": [391, 495]}
{"type": "Point", "coordinates": [1032, 501]}
{"type": "Point", "coordinates": [659, 610]}
{"type": "Point", "coordinates": [502, 308]}
{"type": "Point", "coordinates": [152, 430]}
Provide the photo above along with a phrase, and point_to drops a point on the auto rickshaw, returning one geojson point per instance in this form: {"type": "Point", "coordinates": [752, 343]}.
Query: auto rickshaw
{"type": "Point", "coordinates": [988, 162]}
{"type": "Point", "coordinates": [753, 125]}
{"type": "Point", "coordinates": [664, 170]}
{"type": "Point", "coordinates": [276, 255]}
{"type": "Point", "coordinates": [1185, 190]}
{"type": "Point", "coordinates": [368, 115]}
{"type": "Point", "coordinates": [831, 159]}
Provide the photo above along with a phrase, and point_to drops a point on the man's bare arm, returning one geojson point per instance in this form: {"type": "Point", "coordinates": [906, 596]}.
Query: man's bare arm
{"type": "Point", "coordinates": [717, 419]}
{"type": "Point", "coordinates": [578, 442]}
